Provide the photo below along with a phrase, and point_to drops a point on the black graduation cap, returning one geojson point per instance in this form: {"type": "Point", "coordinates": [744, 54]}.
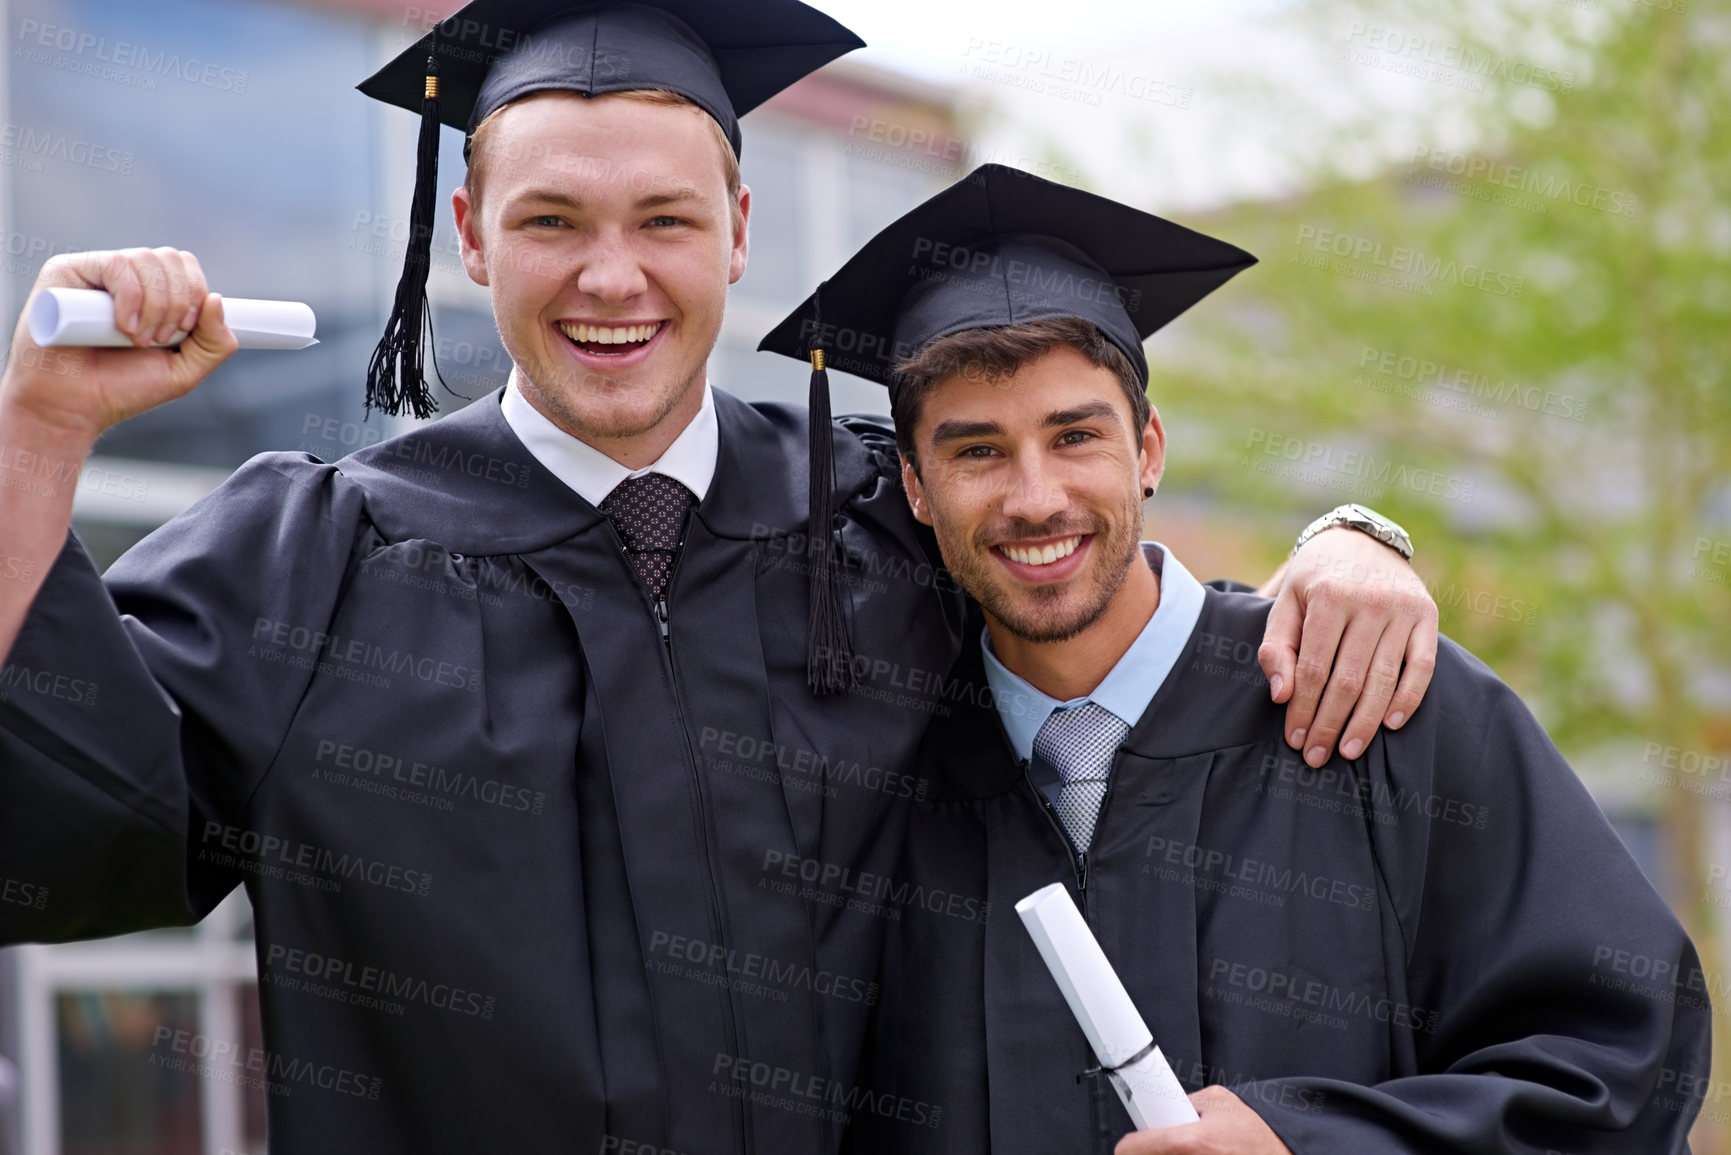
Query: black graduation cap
{"type": "Point", "coordinates": [1003, 247]}
{"type": "Point", "coordinates": [727, 56]}
{"type": "Point", "coordinates": [998, 247]}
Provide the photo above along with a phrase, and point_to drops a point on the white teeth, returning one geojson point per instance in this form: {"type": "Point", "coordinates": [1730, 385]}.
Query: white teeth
{"type": "Point", "coordinates": [1043, 556]}
{"type": "Point", "coordinates": [609, 335]}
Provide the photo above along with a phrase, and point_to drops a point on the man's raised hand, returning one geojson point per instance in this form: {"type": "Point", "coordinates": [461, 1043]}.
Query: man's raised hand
{"type": "Point", "coordinates": [55, 403]}
{"type": "Point", "coordinates": [82, 392]}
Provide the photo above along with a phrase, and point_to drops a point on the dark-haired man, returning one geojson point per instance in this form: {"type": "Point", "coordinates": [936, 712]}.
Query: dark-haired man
{"type": "Point", "coordinates": [1409, 951]}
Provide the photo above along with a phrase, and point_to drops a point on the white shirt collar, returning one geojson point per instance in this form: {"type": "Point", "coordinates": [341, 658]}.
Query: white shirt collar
{"type": "Point", "coordinates": [1130, 685]}
{"type": "Point", "coordinates": [690, 460]}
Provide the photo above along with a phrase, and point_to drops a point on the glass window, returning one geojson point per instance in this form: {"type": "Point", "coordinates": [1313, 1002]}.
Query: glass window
{"type": "Point", "coordinates": [879, 193]}
{"type": "Point", "coordinates": [123, 1089]}
{"type": "Point", "coordinates": [469, 359]}
{"type": "Point", "coordinates": [231, 130]}
{"type": "Point", "coordinates": [775, 272]}
{"type": "Point", "coordinates": [753, 376]}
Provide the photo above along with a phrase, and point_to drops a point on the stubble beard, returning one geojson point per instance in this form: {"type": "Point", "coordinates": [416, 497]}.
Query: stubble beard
{"type": "Point", "coordinates": [1038, 615]}
{"type": "Point", "coordinates": [572, 418]}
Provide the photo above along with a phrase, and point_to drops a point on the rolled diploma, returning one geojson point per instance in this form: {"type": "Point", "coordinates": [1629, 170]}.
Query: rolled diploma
{"type": "Point", "coordinates": [85, 318]}
{"type": "Point", "coordinates": [1148, 1089]}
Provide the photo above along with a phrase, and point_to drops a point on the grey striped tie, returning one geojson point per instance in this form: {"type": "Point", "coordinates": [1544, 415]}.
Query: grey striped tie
{"type": "Point", "coordinates": [1079, 744]}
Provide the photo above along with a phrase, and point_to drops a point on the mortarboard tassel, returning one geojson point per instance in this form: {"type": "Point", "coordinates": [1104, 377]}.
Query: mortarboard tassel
{"type": "Point", "coordinates": [394, 375]}
{"type": "Point", "coordinates": [829, 641]}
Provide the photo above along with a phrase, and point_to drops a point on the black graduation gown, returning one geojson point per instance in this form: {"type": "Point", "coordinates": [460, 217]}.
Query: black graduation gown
{"type": "Point", "coordinates": [1440, 946]}
{"type": "Point", "coordinates": [528, 873]}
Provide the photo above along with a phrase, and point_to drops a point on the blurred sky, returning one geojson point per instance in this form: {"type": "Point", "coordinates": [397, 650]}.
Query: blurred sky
{"type": "Point", "coordinates": [927, 37]}
{"type": "Point", "coordinates": [1131, 131]}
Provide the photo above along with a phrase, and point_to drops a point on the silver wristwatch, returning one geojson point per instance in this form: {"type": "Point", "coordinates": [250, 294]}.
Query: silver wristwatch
{"type": "Point", "coordinates": [1365, 520]}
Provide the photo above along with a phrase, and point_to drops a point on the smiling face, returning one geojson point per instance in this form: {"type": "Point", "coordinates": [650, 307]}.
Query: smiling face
{"type": "Point", "coordinates": [606, 232]}
{"type": "Point", "coordinates": [1033, 484]}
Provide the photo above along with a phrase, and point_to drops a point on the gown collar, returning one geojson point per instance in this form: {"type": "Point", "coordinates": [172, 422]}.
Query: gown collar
{"type": "Point", "coordinates": [468, 482]}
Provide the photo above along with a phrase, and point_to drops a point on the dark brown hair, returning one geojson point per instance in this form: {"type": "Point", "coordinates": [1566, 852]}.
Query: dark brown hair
{"type": "Point", "coordinates": [998, 352]}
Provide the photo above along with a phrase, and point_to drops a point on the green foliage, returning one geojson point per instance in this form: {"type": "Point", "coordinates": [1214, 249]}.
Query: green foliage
{"type": "Point", "coordinates": [1521, 327]}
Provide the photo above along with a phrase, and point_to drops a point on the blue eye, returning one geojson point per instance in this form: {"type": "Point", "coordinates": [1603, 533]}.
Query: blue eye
{"type": "Point", "coordinates": [664, 221]}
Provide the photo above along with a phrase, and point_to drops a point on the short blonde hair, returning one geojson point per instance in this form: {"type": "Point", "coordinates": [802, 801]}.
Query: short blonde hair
{"type": "Point", "coordinates": [660, 96]}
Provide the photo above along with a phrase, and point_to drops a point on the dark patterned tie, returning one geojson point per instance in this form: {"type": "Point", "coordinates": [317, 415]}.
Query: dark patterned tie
{"type": "Point", "coordinates": [1079, 744]}
{"type": "Point", "coordinates": [648, 513]}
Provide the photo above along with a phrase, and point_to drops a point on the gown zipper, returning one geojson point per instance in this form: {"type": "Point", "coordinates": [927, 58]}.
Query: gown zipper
{"type": "Point", "coordinates": [659, 611]}
{"type": "Point", "coordinates": [1080, 860]}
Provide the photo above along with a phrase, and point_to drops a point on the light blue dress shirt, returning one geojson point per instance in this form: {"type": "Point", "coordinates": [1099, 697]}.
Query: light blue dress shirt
{"type": "Point", "coordinates": [1131, 684]}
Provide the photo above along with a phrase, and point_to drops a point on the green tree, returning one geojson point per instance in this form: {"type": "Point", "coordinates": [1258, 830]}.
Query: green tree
{"type": "Point", "coordinates": [1515, 338]}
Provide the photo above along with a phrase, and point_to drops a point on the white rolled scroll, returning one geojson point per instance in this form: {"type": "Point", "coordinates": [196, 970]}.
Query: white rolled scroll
{"type": "Point", "coordinates": [85, 317]}
{"type": "Point", "coordinates": [1146, 1085]}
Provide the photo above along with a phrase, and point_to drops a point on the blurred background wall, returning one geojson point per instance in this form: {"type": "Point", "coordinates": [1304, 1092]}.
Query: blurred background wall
{"type": "Point", "coordinates": [1494, 303]}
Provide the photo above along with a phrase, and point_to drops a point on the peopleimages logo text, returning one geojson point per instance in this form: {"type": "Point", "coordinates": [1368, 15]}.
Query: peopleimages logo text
{"type": "Point", "coordinates": [138, 57]}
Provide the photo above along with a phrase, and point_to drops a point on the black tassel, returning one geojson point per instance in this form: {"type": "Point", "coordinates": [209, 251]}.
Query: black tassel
{"type": "Point", "coordinates": [395, 379]}
{"type": "Point", "coordinates": [829, 633]}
